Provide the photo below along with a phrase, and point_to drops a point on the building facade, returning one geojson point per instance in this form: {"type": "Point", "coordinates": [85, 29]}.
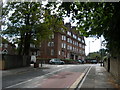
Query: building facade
{"type": "Point", "coordinates": [64, 45]}
{"type": "Point", "coordinates": [6, 47]}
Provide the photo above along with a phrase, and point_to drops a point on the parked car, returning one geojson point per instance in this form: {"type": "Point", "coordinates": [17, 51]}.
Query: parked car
{"type": "Point", "coordinates": [81, 61]}
{"type": "Point", "coordinates": [56, 61]}
{"type": "Point", "coordinates": [94, 61]}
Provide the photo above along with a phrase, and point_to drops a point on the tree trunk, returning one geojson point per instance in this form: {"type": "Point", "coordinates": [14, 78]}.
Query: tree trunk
{"type": "Point", "coordinates": [20, 51]}
{"type": "Point", "coordinates": [27, 44]}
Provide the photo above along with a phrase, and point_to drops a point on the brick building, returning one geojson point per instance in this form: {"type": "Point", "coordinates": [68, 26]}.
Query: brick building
{"type": "Point", "coordinates": [64, 45]}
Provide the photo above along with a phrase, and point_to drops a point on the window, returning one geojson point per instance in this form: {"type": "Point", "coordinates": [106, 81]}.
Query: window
{"type": "Point", "coordinates": [38, 53]}
{"type": "Point", "coordinates": [73, 42]}
{"type": "Point", "coordinates": [63, 37]}
{"type": "Point", "coordinates": [50, 44]}
{"type": "Point", "coordinates": [73, 48]}
{"type": "Point", "coordinates": [74, 36]}
{"type": "Point", "coordinates": [68, 55]}
{"type": "Point", "coordinates": [79, 39]}
{"type": "Point", "coordinates": [68, 47]}
{"type": "Point", "coordinates": [80, 45]}
{"type": "Point", "coordinates": [69, 33]}
{"type": "Point", "coordinates": [68, 39]}
{"type": "Point", "coordinates": [52, 51]}
{"type": "Point", "coordinates": [63, 53]}
{"type": "Point", "coordinates": [77, 43]}
{"type": "Point", "coordinates": [80, 51]}
{"type": "Point", "coordinates": [59, 52]}
{"type": "Point", "coordinates": [63, 45]}
{"type": "Point", "coordinates": [52, 37]}
{"type": "Point", "coordinates": [77, 49]}
{"type": "Point", "coordinates": [82, 41]}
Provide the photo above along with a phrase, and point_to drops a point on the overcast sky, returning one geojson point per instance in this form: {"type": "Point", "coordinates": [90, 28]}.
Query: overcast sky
{"type": "Point", "coordinates": [93, 44]}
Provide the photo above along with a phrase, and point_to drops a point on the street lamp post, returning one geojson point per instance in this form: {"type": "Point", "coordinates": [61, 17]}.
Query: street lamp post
{"type": "Point", "coordinates": [89, 48]}
{"type": "Point", "coordinates": [102, 64]}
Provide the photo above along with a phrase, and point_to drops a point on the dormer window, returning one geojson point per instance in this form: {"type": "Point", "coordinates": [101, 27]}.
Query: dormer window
{"type": "Point", "coordinates": [74, 36]}
{"type": "Point", "coordinates": [69, 33]}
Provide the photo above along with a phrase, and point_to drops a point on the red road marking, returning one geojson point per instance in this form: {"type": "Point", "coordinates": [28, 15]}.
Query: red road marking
{"type": "Point", "coordinates": [60, 80]}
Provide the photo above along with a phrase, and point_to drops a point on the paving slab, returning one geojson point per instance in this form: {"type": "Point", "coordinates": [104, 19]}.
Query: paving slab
{"type": "Point", "coordinates": [98, 77]}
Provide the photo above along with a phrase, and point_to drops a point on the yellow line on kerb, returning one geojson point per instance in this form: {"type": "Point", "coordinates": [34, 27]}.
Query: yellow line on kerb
{"type": "Point", "coordinates": [74, 85]}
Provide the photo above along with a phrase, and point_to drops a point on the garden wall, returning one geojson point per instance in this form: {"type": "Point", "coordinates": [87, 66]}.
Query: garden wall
{"type": "Point", "coordinates": [14, 61]}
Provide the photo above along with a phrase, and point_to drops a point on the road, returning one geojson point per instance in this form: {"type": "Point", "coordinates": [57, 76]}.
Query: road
{"type": "Point", "coordinates": [55, 76]}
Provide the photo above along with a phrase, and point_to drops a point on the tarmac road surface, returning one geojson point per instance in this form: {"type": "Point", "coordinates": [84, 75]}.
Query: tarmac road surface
{"type": "Point", "coordinates": [59, 76]}
{"type": "Point", "coordinates": [55, 76]}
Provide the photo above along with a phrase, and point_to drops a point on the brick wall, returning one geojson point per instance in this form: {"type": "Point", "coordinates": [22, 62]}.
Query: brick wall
{"type": "Point", "coordinates": [14, 61]}
{"type": "Point", "coordinates": [114, 67]}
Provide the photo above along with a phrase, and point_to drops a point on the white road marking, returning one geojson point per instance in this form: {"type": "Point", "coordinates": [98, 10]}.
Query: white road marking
{"type": "Point", "coordinates": [75, 84]}
{"type": "Point", "coordinates": [37, 77]}
{"type": "Point", "coordinates": [36, 85]}
{"type": "Point", "coordinates": [85, 77]}
{"type": "Point", "coordinates": [59, 66]}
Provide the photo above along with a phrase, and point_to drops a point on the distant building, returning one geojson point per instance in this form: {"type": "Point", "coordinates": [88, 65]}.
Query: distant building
{"type": "Point", "coordinates": [64, 45]}
{"type": "Point", "coordinates": [6, 47]}
{"type": "Point", "coordinates": [34, 49]}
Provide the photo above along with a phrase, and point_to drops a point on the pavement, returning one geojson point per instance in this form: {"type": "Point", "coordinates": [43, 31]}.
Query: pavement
{"type": "Point", "coordinates": [96, 77]}
{"type": "Point", "coordinates": [23, 69]}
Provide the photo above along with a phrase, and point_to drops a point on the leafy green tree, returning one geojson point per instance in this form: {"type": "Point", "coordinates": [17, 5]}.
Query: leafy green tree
{"type": "Point", "coordinates": [29, 22]}
{"type": "Point", "coordinates": [103, 52]}
{"type": "Point", "coordinates": [94, 55]}
{"type": "Point", "coordinates": [96, 19]}
{"type": "Point", "coordinates": [97, 55]}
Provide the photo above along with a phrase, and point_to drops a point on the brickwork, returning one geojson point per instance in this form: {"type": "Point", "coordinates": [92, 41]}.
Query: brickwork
{"type": "Point", "coordinates": [66, 45]}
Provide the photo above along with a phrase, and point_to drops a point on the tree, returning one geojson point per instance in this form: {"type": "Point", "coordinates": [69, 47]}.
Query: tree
{"type": "Point", "coordinates": [97, 55]}
{"type": "Point", "coordinates": [96, 19]}
{"type": "Point", "coordinates": [29, 22]}
{"type": "Point", "coordinates": [94, 55]}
